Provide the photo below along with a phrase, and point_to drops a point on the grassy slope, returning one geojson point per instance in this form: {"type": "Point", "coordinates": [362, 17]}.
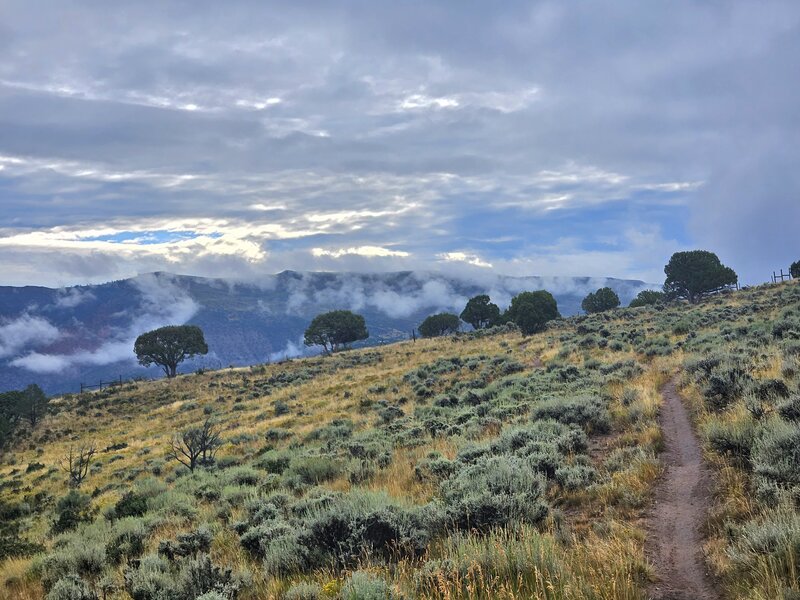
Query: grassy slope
{"type": "Point", "coordinates": [589, 546]}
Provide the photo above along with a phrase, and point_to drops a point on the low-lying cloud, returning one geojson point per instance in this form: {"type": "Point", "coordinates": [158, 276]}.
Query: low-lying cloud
{"type": "Point", "coordinates": [397, 299]}
{"type": "Point", "coordinates": [72, 297]}
{"type": "Point", "coordinates": [292, 349]}
{"type": "Point", "coordinates": [400, 295]}
{"type": "Point", "coordinates": [25, 332]}
{"type": "Point", "coordinates": [162, 302]}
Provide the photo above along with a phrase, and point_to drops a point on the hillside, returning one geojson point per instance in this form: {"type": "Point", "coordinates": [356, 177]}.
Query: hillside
{"type": "Point", "coordinates": [485, 465]}
{"type": "Point", "coordinates": [60, 338]}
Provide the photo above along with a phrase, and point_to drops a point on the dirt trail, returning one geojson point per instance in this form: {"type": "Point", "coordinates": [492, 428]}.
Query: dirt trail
{"type": "Point", "coordinates": [682, 499]}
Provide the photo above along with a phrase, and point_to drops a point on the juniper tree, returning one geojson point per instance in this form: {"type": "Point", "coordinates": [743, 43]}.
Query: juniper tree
{"type": "Point", "coordinates": [696, 274]}
{"type": "Point", "coordinates": [480, 312]}
{"type": "Point", "coordinates": [169, 346]}
{"type": "Point", "coordinates": [335, 330]}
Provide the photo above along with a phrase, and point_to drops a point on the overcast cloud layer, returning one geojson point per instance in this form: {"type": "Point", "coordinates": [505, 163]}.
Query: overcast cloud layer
{"type": "Point", "coordinates": [547, 138]}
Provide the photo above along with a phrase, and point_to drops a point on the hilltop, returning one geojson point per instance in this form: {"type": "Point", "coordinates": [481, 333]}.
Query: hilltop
{"type": "Point", "coordinates": [482, 465]}
{"type": "Point", "coordinates": [60, 338]}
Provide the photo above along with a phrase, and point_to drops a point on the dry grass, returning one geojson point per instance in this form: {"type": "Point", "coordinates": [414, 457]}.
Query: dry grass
{"type": "Point", "coordinates": [596, 552]}
{"type": "Point", "coordinates": [16, 583]}
{"type": "Point", "coordinates": [145, 415]}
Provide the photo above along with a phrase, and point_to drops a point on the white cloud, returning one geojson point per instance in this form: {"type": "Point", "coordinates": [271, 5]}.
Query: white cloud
{"type": "Point", "coordinates": [267, 207]}
{"type": "Point", "coordinates": [293, 349]}
{"type": "Point", "coordinates": [367, 251]}
{"type": "Point", "coordinates": [161, 303]}
{"type": "Point", "coordinates": [42, 363]}
{"type": "Point", "coordinates": [24, 332]}
{"type": "Point", "coordinates": [436, 294]}
{"type": "Point", "coordinates": [258, 104]}
{"type": "Point", "coordinates": [472, 259]}
{"type": "Point", "coordinates": [416, 101]}
{"type": "Point", "coordinates": [72, 297]}
{"type": "Point", "coordinates": [357, 292]}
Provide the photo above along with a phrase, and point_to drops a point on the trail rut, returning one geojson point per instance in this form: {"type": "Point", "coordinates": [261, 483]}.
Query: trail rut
{"type": "Point", "coordinates": [675, 542]}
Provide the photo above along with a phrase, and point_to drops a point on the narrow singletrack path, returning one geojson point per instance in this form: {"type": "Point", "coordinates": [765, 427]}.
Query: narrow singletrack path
{"type": "Point", "coordinates": [675, 541]}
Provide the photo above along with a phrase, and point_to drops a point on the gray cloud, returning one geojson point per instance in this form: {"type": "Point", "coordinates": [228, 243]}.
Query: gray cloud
{"type": "Point", "coordinates": [530, 118]}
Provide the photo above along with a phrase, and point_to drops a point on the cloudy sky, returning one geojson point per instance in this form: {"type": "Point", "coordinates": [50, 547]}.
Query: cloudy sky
{"type": "Point", "coordinates": [240, 138]}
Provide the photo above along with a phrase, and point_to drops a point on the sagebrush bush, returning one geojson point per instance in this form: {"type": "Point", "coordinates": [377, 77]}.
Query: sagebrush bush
{"type": "Point", "coordinates": [303, 591]}
{"type": "Point", "coordinates": [771, 389]}
{"type": "Point", "coordinates": [173, 504]}
{"type": "Point", "coordinates": [128, 538]}
{"type": "Point", "coordinates": [495, 491]}
{"type": "Point", "coordinates": [778, 533]}
{"type": "Point", "coordinates": [733, 439]}
{"type": "Point", "coordinates": [724, 385]}
{"type": "Point", "coordinates": [149, 487]}
{"type": "Point", "coordinates": [764, 551]}
{"type": "Point", "coordinates": [789, 409]}
{"type": "Point", "coordinates": [362, 585]}
{"type": "Point", "coordinates": [576, 476]}
{"type": "Point", "coordinates": [212, 596]}
{"type": "Point", "coordinates": [337, 529]}
{"type": "Point", "coordinates": [656, 346]}
{"type": "Point", "coordinates": [313, 470]}
{"type": "Point", "coordinates": [71, 587]}
{"type": "Point", "coordinates": [130, 505]}
{"type": "Point", "coordinates": [274, 461]}
{"type": "Point", "coordinates": [496, 563]}
{"type": "Point", "coordinates": [565, 438]}
{"type": "Point", "coordinates": [190, 543]}
{"type": "Point", "coordinates": [149, 579]}
{"type": "Point", "coordinates": [435, 468]}
{"type": "Point", "coordinates": [73, 556]}
{"type": "Point", "coordinates": [776, 453]}
{"type": "Point", "coordinates": [72, 509]}
{"type": "Point", "coordinates": [367, 524]}
{"type": "Point", "coordinates": [285, 555]}
{"type": "Point", "coordinates": [243, 476]}
{"type": "Point", "coordinates": [629, 396]}
{"type": "Point", "coordinates": [586, 411]}
{"type": "Point", "coordinates": [156, 578]}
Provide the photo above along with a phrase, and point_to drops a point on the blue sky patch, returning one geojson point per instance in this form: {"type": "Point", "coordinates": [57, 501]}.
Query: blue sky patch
{"type": "Point", "coordinates": [146, 238]}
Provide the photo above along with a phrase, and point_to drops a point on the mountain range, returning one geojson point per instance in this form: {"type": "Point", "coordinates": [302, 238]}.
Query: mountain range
{"type": "Point", "coordinates": [63, 337]}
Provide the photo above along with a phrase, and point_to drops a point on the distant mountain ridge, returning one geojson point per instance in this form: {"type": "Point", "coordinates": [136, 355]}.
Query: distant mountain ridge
{"type": "Point", "coordinates": [62, 337]}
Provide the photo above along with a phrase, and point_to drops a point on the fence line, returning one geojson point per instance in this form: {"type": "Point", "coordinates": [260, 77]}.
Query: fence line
{"type": "Point", "coordinates": [780, 277]}
{"type": "Point", "coordinates": [101, 385]}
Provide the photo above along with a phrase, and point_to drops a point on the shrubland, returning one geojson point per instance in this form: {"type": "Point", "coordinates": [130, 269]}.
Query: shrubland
{"type": "Point", "coordinates": [487, 464]}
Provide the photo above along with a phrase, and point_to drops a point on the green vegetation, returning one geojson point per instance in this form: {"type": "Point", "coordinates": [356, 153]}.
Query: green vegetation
{"type": "Point", "coordinates": [336, 330]}
{"type": "Point", "coordinates": [794, 269]}
{"type": "Point", "coordinates": [17, 407]}
{"type": "Point", "coordinates": [647, 298]}
{"type": "Point", "coordinates": [603, 299]}
{"type": "Point", "coordinates": [696, 274]}
{"type": "Point", "coordinates": [480, 312]}
{"type": "Point", "coordinates": [169, 346]}
{"type": "Point", "coordinates": [531, 311]}
{"type": "Point", "coordinates": [744, 389]}
{"type": "Point", "coordinates": [488, 464]}
{"type": "Point", "coordinates": [439, 324]}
